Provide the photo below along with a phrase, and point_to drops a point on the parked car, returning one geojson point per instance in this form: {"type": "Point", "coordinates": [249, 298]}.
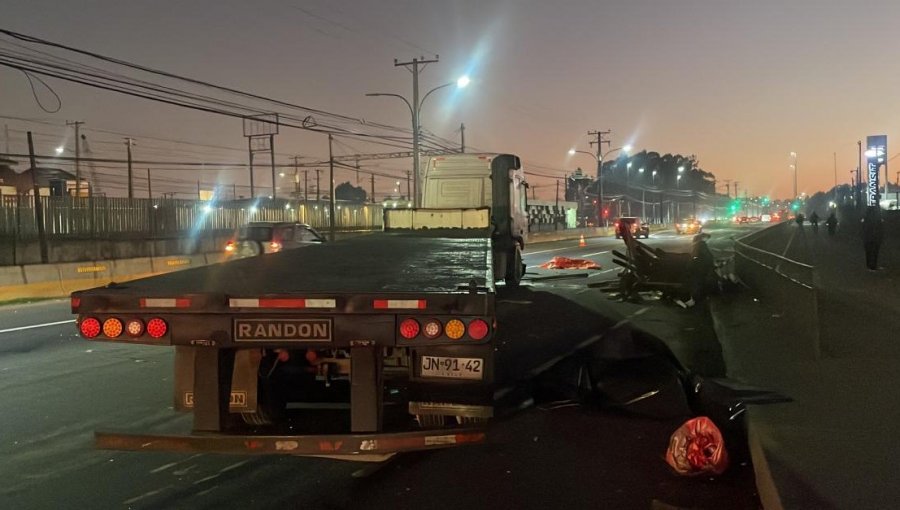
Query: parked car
{"type": "Point", "coordinates": [262, 237]}
{"type": "Point", "coordinates": [638, 227]}
{"type": "Point", "coordinates": [689, 226]}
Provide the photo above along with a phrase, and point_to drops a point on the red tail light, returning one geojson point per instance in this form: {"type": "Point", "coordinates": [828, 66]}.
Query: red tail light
{"type": "Point", "coordinates": [229, 246]}
{"type": "Point", "coordinates": [409, 328]}
{"type": "Point", "coordinates": [275, 246]}
{"type": "Point", "coordinates": [134, 328]}
{"type": "Point", "coordinates": [478, 329]}
{"type": "Point", "coordinates": [157, 328]}
{"type": "Point", "coordinates": [89, 327]}
{"type": "Point", "coordinates": [75, 302]}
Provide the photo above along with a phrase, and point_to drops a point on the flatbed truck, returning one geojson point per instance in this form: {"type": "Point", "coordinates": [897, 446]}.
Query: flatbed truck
{"type": "Point", "coordinates": [356, 349]}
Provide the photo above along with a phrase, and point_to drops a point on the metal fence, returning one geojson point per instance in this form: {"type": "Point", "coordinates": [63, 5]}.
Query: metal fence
{"type": "Point", "coordinates": [111, 218]}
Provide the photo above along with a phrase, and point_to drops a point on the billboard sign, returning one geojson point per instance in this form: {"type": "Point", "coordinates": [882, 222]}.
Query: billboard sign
{"type": "Point", "coordinates": [876, 152]}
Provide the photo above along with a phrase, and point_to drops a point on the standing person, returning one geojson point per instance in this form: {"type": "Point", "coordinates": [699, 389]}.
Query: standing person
{"type": "Point", "coordinates": [799, 219]}
{"type": "Point", "coordinates": [873, 233]}
{"type": "Point", "coordinates": [814, 219]}
{"type": "Point", "coordinates": [702, 271]}
{"type": "Point", "coordinates": [832, 223]}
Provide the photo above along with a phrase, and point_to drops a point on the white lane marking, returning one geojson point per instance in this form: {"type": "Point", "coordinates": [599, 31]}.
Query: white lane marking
{"type": "Point", "coordinates": [164, 467]}
{"type": "Point", "coordinates": [592, 254]}
{"type": "Point", "coordinates": [33, 326]}
{"type": "Point", "coordinates": [234, 466]}
{"type": "Point", "coordinates": [608, 270]}
{"type": "Point", "coordinates": [145, 495]}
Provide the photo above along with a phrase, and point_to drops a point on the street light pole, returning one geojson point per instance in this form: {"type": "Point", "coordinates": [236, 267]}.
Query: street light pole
{"type": "Point", "coordinates": [600, 158]}
{"type": "Point", "coordinates": [414, 66]}
{"type": "Point", "coordinates": [794, 166]}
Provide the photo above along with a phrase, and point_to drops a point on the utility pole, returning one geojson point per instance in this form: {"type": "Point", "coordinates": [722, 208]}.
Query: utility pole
{"type": "Point", "coordinates": [149, 186]}
{"type": "Point", "coordinates": [296, 177]}
{"type": "Point", "coordinates": [727, 187]}
{"type": "Point", "coordinates": [599, 142]}
{"type": "Point", "coordinates": [373, 188]}
{"type": "Point", "coordinates": [835, 179]}
{"type": "Point", "coordinates": [857, 189]}
{"type": "Point", "coordinates": [318, 193]}
{"type": "Point", "coordinates": [357, 172]}
{"type": "Point", "coordinates": [77, 125]}
{"type": "Point", "coordinates": [557, 192]}
{"type": "Point", "coordinates": [272, 154]}
{"type": "Point", "coordinates": [305, 186]}
{"type": "Point", "coordinates": [128, 143]}
{"type": "Point", "coordinates": [408, 196]}
{"type": "Point", "coordinates": [250, 147]}
{"type": "Point", "coordinates": [413, 67]}
{"type": "Point", "coordinates": [736, 195]}
{"type": "Point", "coordinates": [462, 140]}
{"type": "Point", "coordinates": [331, 219]}
{"type": "Point", "coordinates": [38, 208]}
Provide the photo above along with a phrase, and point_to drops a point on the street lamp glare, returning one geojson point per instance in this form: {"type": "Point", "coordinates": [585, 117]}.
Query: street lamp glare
{"type": "Point", "coordinates": [626, 148]}
{"type": "Point", "coordinates": [571, 152]}
{"type": "Point", "coordinates": [680, 169]}
{"type": "Point", "coordinates": [60, 149]}
{"type": "Point", "coordinates": [641, 170]}
{"type": "Point", "coordinates": [463, 81]}
{"type": "Point", "coordinates": [628, 165]}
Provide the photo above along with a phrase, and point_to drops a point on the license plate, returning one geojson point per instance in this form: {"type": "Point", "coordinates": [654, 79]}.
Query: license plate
{"type": "Point", "coordinates": [453, 368]}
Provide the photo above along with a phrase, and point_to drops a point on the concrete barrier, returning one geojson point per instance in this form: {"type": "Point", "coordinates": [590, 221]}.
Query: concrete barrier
{"type": "Point", "coordinates": [84, 275]}
{"type": "Point", "coordinates": [173, 263]}
{"type": "Point", "coordinates": [131, 269]}
{"type": "Point", "coordinates": [11, 275]}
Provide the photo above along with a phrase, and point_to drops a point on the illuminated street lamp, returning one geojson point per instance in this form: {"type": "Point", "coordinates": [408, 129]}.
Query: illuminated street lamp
{"type": "Point", "coordinates": [60, 150]}
{"type": "Point", "coordinates": [599, 158]}
{"type": "Point", "coordinates": [414, 108]}
{"type": "Point", "coordinates": [794, 168]}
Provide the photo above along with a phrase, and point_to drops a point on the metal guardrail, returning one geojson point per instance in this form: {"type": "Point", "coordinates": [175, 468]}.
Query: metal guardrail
{"type": "Point", "coordinates": [796, 272]}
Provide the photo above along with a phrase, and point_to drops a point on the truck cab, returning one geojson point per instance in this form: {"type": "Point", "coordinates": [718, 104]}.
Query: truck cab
{"type": "Point", "coordinates": [494, 183]}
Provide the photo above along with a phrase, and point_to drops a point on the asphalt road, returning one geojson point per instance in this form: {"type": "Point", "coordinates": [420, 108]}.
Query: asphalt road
{"type": "Point", "coordinates": [56, 389]}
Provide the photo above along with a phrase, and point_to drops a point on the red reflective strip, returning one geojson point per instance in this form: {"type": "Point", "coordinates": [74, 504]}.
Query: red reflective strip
{"type": "Point", "coordinates": [165, 303]}
{"type": "Point", "coordinates": [282, 303]}
{"type": "Point", "coordinates": [389, 304]}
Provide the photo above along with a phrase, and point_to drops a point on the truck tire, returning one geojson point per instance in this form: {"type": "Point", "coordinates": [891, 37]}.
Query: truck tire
{"type": "Point", "coordinates": [515, 269]}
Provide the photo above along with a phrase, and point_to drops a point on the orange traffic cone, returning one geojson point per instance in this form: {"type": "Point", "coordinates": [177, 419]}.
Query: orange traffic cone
{"type": "Point", "coordinates": [581, 243]}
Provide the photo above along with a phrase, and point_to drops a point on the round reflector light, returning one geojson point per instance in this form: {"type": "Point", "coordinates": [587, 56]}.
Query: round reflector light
{"type": "Point", "coordinates": [112, 327]}
{"type": "Point", "coordinates": [455, 329]}
{"type": "Point", "coordinates": [409, 328]}
{"type": "Point", "coordinates": [432, 328]}
{"type": "Point", "coordinates": [157, 327]}
{"type": "Point", "coordinates": [478, 329]}
{"type": "Point", "coordinates": [89, 327]}
{"type": "Point", "coordinates": [134, 327]}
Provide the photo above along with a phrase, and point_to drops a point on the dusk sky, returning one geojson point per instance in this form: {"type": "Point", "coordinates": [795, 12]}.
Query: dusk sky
{"type": "Point", "coordinates": [739, 84]}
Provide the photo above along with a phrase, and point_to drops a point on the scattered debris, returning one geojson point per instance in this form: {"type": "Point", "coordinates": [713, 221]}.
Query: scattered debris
{"type": "Point", "coordinates": [569, 263]}
{"type": "Point", "coordinates": [697, 447]}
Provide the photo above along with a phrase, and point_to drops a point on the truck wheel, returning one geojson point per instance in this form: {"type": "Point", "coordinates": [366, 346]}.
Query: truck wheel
{"type": "Point", "coordinates": [515, 269]}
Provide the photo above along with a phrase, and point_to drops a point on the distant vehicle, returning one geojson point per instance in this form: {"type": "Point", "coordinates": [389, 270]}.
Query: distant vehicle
{"type": "Point", "coordinates": [754, 219]}
{"type": "Point", "coordinates": [743, 219]}
{"type": "Point", "coordinates": [262, 237]}
{"type": "Point", "coordinates": [766, 218]}
{"type": "Point", "coordinates": [689, 226]}
{"type": "Point", "coordinates": [638, 227]}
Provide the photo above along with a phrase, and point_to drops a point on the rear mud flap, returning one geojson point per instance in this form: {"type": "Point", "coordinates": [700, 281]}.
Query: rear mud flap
{"type": "Point", "coordinates": [244, 385]}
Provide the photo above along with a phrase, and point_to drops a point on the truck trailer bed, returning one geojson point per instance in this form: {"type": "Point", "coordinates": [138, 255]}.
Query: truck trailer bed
{"type": "Point", "coordinates": [383, 262]}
